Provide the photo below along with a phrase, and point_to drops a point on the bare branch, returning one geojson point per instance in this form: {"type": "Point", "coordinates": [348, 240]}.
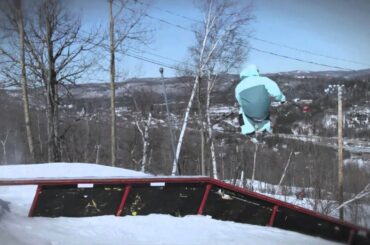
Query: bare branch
{"type": "Point", "coordinates": [365, 192]}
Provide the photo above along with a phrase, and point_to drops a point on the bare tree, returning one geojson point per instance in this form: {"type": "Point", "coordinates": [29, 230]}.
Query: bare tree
{"type": "Point", "coordinates": [219, 47]}
{"type": "Point", "coordinates": [210, 84]}
{"type": "Point", "coordinates": [144, 131]}
{"type": "Point", "coordinates": [97, 157]}
{"type": "Point", "coordinates": [285, 169]}
{"type": "Point", "coordinates": [128, 17]}
{"type": "Point", "coordinates": [363, 193]}
{"type": "Point", "coordinates": [254, 163]}
{"type": "Point", "coordinates": [3, 142]}
{"type": "Point", "coordinates": [14, 17]}
{"type": "Point", "coordinates": [143, 120]}
{"type": "Point", "coordinates": [56, 48]}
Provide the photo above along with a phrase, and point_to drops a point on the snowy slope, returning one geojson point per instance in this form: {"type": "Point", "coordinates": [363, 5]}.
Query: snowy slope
{"type": "Point", "coordinates": [65, 170]}
{"type": "Point", "coordinates": [17, 228]}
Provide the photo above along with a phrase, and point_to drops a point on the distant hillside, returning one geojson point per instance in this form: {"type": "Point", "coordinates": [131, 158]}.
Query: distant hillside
{"type": "Point", "coordinates": [347, 75]}
{"type": "Point", "coordinates": [85, 125]}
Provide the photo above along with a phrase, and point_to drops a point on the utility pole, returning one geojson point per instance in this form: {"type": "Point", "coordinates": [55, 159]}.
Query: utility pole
{"type": "Point", "coordinates": [340, 151]}
{"type": "Point", "coordinates": [161, 70]}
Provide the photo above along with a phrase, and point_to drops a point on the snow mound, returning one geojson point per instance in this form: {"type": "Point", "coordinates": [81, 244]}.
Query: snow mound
{"type": "Point", "coordinates": [65, 170]}
{"type": "Point", "coordinates": [17, 228]}
{"type": "Point", "coordinates": [4, 207]}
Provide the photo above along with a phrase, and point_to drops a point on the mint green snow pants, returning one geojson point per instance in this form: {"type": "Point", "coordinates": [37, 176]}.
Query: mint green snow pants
{"type": "Point", "coordinates": [250, 126]}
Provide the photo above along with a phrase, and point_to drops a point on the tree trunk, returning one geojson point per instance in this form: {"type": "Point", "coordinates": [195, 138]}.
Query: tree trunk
{"type": "Point", "coordinates": [209, 125]}
{"type": "Point", "coordinates": [169, 121]}
{"type": "Point", "coordinates": [97, 160]}
{"type": "Point", "coordinates": [241, 184]}
{"type": "Point", "coordinates": [3, 142]}
{"type": "Point", "coordinates": [202, 151]}
{"type": "Point", "coordinates": [86, 150]}
{"type": "Point", "coordinates": [112, 85]}
{"type": "Point", "coordinates": [23, 79]}
{"type": "Point", "coordinates": [57, 146]}
{"type": "Point", "coordinates": [222, 159]}
{"type": "Point", "coordinates": [184, 125]}
{"type": "Point", "coordinates": [146, 143]}
{"type": "Point", "coordinates": [286, 167]}
{"type": "Point", "coordinates": [202, 133]}
{"type": "Point", "coordinates": [49, 118]}
{"type": "Point", "coordinates": [254, 164]}
{"type": "Point", "coordinates": [41, 150]}
{"type": "Point", "coordinates": [52, 97]}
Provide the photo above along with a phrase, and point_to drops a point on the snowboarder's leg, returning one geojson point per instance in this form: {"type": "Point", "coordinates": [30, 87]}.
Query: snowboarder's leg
{"type": "Point", "coordinates": [265, 126]}
{"type": "Point", "coordinates": [248, 127]}
{"type": "Point", "coordinates": [254, 131]}
{"type": "Point", "coordinates": [262, 129]}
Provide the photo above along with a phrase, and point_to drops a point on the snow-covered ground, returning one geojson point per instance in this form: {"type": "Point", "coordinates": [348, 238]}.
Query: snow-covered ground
{"type": "Point", "coordinates": [17, 228]}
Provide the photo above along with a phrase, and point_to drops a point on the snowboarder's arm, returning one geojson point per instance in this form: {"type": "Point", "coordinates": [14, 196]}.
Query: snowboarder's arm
{"type": "Point", "coordinates": [274, 91]}
{"type": "Point", "coordinates": [237, 94]}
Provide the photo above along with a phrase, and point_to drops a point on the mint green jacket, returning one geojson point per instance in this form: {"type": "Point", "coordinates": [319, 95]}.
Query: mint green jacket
{"type": "Point", "coordinates": [253, 95]}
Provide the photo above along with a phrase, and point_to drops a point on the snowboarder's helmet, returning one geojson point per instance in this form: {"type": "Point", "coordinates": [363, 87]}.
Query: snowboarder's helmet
{"type": "Point", "coordinates": [249, 70]}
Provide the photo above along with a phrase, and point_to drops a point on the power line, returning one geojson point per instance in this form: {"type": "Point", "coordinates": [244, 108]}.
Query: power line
{"type": "Point", "coordinates": [158, 19]}
{"type": "Point", "coordinates": [156, 62]}
{"type": "Point", "coordinates": [173, 67]}
{"type": "Point", "coordinates": [143, 58]}
{"type": "Point", "coordinates": [168, 23]}
{"type": "Point", "coordinates": [262, 40]}
{"type": "Point", "coordinates": [297, 59]}
{"type": "Point", "coordinates": [264, 51]}
{"type": "Point", "coordinates": [170, 12]}
{"type": "Point", "coordinates": [306, 51]}
{"type": "Point", "coordinates": [154, 54]}
{"type": "Point", "coordinates": [267, 52]}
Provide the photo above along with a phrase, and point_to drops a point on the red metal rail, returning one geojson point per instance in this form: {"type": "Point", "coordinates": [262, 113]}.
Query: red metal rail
{"type": "Point", "coordinates": [209, 181]}
{"type": "Point", "coordinates": [123, 201]}
{"type": "Point", "coordinates": [35, 201]}
{"type": "Point", "coordinates": [204, 200]}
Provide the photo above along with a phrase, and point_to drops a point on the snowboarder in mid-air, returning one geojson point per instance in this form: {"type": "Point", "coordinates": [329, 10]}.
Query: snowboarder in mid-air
{"type": "Point", "coordinates": [253, 94]}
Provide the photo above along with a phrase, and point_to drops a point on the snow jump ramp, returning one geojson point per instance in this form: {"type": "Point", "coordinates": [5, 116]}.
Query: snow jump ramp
{"type": "Point", "coordinates": [179, 197]}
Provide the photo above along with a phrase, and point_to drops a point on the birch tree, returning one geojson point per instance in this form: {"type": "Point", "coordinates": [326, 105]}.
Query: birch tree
{"type": "Point", "coordinates": [23, 78]}
{"type": "Point", "coordinates": [285, 169]}
{"type": "Point", "coordinates": [220, 45]}
{"type": "Point", "coordinates": [125, 26]}
{"type": "Point", "coordinates": [15, 20]}
{"type": "Point", "coordinates": [254, 163]}
{"type": "Point", "coordinates": [143, 127]}
{"type": "Point", "coordinates": [3, 142]}
{"type": "Point", "coordinates": [143, 120]}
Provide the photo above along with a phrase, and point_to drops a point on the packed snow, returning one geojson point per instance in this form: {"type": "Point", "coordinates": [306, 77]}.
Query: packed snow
{"type": "Point", "coordinates": [17, 228]}
{"type": "Point", "coordinates": [65, 170]}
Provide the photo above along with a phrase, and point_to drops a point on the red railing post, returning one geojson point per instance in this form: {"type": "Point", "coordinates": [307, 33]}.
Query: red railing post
{"type": "Point", "coordinates": [204, 200]}
{"type": "Point", "coordinates": [123, 200]}
{"type": "Point", "coordinates": [35, 201]}
{"type": "Point", "coordinates": [273, 215]}
{"type": "Point", "coordinates": [350, 237]}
